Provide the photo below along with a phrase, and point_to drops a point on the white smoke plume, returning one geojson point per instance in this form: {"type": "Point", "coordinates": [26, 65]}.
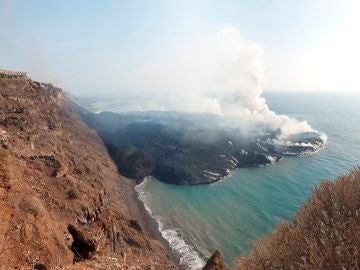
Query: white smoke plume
{"type": "Point", "coordinates": [223, 74]}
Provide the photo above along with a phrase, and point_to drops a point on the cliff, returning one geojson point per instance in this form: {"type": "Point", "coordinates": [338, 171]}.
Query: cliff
{"type": "Point", "coordinates": [61, 199]}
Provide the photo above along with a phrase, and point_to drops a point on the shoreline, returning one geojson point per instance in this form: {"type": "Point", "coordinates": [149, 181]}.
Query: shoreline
{"type": "Point", "coordinates": [138, 212]}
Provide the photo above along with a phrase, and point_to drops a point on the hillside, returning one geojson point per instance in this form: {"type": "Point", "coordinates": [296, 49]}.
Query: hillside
{"type": "Point", "coordinates": [64, 206]}
{"type": "Point", "coordinates": [324, 234]}
{"type": "Point", "coordinates": [61, 199]}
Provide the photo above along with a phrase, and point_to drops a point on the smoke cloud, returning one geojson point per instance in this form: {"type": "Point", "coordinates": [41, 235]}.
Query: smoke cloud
{"type": "Point", "coordinates": [223, 74]}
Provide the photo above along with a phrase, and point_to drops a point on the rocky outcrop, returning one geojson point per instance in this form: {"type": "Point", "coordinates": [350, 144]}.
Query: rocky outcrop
{"type": "Point", "coordinates": [83, 247]}
{"type": "Point", "coordinates": [61, 199]}
{"type": "Point", "coordinates": [215, 262]}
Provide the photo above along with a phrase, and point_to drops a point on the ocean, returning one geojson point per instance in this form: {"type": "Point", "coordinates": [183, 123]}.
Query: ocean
{"type": "Point", "coordinates": [231, 214]}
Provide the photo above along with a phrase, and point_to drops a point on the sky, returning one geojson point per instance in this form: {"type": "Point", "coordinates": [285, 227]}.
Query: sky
{"type": "Point", "coordinates": [140, 46]}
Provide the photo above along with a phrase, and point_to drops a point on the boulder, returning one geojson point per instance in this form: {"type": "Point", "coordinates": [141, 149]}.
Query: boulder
{"type": "Point", "coordinates": [215, 262]}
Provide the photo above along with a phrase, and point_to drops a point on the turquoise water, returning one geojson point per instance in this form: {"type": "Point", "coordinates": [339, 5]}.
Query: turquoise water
{"type": "Point", "coordinates": [229, 215]}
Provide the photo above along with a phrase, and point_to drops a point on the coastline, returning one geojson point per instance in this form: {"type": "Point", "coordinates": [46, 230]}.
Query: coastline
{"type": "Point", "coordinates": [138, 212]}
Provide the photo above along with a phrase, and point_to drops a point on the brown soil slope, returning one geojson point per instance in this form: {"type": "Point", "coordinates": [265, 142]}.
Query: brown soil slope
{"type": "Point", "coordinates": [60, 194]}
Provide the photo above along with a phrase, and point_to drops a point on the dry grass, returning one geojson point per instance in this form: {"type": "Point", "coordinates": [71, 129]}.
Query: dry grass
{"type": "Point", "coordinates": [324, 234]}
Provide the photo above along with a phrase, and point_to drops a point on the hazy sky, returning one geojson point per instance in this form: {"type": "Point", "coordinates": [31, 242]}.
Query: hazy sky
{"type": "Point", "coordinates": [111, 47]}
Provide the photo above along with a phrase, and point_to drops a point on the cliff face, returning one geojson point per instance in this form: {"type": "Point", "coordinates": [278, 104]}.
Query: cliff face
{"type": "Point", "coordinates": [61, 199]}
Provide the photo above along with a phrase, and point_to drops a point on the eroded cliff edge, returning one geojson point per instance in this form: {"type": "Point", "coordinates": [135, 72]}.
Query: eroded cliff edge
{"type": "Point", "coordinates": [61, 199]}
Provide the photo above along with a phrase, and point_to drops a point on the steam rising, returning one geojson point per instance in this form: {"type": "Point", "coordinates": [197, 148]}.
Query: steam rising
{"type": "Point", "coordinates": [223, 75]}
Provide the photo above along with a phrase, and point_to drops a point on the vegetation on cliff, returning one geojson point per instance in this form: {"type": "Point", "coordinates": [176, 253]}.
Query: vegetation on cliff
{"type": "Point", "coordinates": [324, 234]}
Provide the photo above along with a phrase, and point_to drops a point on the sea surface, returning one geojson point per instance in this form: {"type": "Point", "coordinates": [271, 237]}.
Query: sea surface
{"type": "Point", "coordinates": [231, 214]}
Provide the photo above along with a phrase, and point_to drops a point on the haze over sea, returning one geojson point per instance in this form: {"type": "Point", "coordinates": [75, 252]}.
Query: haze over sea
{"type": "Point", "coordinates": [230, 214]}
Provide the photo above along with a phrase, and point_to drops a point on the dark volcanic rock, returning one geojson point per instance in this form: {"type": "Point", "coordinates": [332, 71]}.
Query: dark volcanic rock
{"type": "Point", "coordinates": [184, 148]}
{"type": "Point", "coordinates": [132, 163]}
{"type": "Point", "coordinates": [82, 247]}
{"type": "Point", "coordinates": [215, 262]}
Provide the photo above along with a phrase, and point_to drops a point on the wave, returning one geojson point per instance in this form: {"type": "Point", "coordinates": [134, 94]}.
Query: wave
{"type": "Point", "coordinates": [189, 258]}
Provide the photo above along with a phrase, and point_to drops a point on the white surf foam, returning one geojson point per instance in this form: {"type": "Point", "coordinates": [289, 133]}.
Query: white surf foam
{"type": "Point", "coordinates": [189, 258]}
